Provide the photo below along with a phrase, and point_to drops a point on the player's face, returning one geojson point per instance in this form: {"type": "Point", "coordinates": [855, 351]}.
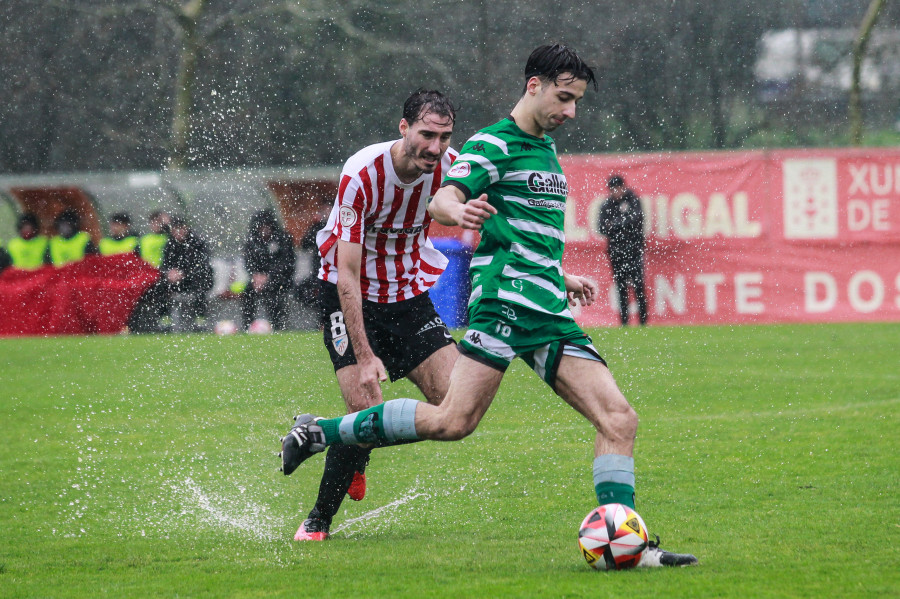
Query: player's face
{"type": "Point", "coordinates": [426, 140]}
{"type": "Point", "coordinates": [557, 101]}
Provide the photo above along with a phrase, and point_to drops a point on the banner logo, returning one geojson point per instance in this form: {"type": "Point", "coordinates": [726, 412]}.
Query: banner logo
{"type": "Point", "coordinates": [810, 198]}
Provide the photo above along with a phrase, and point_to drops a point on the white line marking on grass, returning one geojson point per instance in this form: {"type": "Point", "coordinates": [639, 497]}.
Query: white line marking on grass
{"type": "Point", "coordinates": [378, 512]}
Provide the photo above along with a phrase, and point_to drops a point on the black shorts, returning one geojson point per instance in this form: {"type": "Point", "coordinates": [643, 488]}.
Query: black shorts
{"type": "Point", "coordinates": [402, 334]}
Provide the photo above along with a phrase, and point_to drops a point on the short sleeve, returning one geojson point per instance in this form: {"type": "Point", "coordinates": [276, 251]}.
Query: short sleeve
{"type": "Point", "coordinates": [482, 162]}
{"type": "Point", "coordinates": [351, 210]}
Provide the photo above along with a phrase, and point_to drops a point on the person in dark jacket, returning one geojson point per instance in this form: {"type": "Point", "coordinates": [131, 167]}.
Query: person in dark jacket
{"type": "Point", "coordinates": [270, 259]}
{"type": "Point", "coordinates": [308, 258]}
{"type": "Point", "coordinates": [5, 260]}
{"type": "Point", "coordinates": [622, 222]}
{"type": "Point", "coordinates": [186, 269]}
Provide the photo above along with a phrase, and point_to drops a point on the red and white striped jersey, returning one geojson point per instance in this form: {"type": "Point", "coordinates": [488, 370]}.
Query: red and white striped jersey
{"type": "Point", "coordinates": [389, 219]}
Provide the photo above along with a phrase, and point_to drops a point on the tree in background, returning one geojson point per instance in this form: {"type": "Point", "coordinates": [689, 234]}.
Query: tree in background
{"type": "Point", "coordinates": [150, 84]}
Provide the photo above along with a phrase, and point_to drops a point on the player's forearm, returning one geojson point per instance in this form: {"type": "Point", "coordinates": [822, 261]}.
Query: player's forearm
{"type": "Point", "coordinates": [350, 296]}
{"type": "Point", "coordinates": [446, 205]}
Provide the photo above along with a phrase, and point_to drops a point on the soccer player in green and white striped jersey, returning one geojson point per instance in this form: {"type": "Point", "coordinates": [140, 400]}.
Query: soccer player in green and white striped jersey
{"type": "Point", "coordinates": [507, 183]}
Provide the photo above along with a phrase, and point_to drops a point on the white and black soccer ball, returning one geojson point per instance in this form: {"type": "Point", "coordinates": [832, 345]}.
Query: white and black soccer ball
{"type": "Point", "coordinates": [613, 537]}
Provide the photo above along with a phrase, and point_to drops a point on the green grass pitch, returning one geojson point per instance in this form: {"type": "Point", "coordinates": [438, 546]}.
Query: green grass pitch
{"type": "Point", "coordinates": [145, 466]}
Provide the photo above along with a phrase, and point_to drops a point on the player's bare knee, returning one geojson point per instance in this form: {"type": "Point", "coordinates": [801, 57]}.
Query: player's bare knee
{"type": "Point", "coordinates": [618, 423]}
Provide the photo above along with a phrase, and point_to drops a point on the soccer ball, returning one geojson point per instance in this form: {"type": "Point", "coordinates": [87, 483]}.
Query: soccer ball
{"type": "Point", "coordinates": [260, 326]}
{"type": "Point", "coordinates": [613, 537]}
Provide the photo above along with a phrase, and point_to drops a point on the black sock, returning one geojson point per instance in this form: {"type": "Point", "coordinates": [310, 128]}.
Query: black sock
{"type": "Point", "coordinates": [340, 464]}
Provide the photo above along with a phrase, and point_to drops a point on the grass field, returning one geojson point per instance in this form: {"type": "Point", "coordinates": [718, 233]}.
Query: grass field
{"type": "Point", "coordinates": [144, 466]}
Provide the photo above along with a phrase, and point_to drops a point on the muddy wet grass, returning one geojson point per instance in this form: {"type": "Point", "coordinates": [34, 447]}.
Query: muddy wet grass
{"type": "Point", "coordinates": [145, 466]}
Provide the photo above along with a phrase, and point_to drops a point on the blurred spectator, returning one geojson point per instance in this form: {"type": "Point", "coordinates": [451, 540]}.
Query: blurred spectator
{"type": "Point", "coordinates": [186, 271]}
{"type": "Point", "coordinates": [269, 258]}
{"type": "Point", "coordinates": [122, 239]}
{"type": "Point", "coordinates": [29, 250]}
{"type": "Point", "coordinates": [622, 222]}
{"type": "Point", "coordinates": [152, 244]}
{"type": "Point", "coordinates": [70, 244]}
{"type": "Point", "coordinates": [308, 283]}
{"type": "Point", "coordinates": [5, 260]}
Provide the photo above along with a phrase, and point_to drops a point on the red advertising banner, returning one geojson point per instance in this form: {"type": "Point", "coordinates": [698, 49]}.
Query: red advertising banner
{"type": "Point", "coordinates": [749, 237]}
{"type": "Point", "coordinates": [95, 295]}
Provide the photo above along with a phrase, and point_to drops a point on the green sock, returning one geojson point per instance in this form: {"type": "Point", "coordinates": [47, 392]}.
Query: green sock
{"type": "Point", "coordinates": [615, 493]}
{"type": "Point", "coordinates": [385, 424]}
{"type": "Point", "coordinates": [614, 479]}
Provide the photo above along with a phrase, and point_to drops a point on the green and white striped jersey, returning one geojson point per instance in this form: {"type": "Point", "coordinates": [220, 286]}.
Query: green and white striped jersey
{"type": "Point", "coordinates": [519, 259]}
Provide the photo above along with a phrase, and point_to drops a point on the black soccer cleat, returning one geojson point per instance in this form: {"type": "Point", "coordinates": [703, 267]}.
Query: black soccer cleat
{"type": "Point", "coordinates": [655, 557]}
{"type": "Point", "coordinates": [304, 439]}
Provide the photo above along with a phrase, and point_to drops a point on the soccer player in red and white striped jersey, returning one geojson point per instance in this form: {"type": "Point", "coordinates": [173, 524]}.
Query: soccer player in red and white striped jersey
{"type": "Point", "coordinates": [377, 264]}
{"type": "Point", "coordinates": [383, 212]}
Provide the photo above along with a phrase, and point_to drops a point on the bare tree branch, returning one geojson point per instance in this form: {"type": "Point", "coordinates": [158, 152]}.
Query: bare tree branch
{"type": "Point", "coordinates": [381, 46]}
{"type": "Point", "coordinates": [859, 52]}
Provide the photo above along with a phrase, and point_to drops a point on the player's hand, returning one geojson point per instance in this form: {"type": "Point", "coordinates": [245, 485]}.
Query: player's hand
{"type": "Point", "coordinates": [580, 290]}
{"type": "Point", "coordinates": [473, 213]}
{"type": "Point", "coordinates": [371, 374]}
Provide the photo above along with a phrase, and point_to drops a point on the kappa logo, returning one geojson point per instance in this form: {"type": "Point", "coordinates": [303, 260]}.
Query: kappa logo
{"type": "Point", "coordinates": [474, 338]}
{"type": "Point", "coordinates": [527, 147]}
{"type": "Point", "coordinates": [347, 216]}
{"type": "Point", "coordinates": [479, 147]}
{"type": "Point", "coordinates": [460, 170]}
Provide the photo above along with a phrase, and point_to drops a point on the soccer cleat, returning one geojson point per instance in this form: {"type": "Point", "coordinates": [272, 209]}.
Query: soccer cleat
{"type": "Point", "coordinates": [312, 529]}
{"type": "Point", "coordinates": [654, 557]}
{"type": "Point", "coordinates": [357, 489]}
{"type": "Point", "coordinates": [304, 439]}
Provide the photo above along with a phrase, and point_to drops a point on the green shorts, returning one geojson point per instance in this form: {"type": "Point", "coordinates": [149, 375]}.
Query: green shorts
{"type": "Point", "coordinates": [499, 331]}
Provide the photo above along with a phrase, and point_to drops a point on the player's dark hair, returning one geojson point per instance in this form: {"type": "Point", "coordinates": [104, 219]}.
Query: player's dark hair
{"type": "Point", "coordinates": [423, 101]}
{"type": "Point", "coordinates": [550, 61]}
